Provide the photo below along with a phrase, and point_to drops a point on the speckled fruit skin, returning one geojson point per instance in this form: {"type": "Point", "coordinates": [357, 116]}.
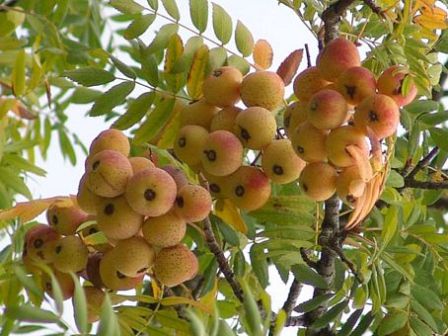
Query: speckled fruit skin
{"type": "Point", "coordinates": [337, 56]}
{"type": "Point", "coordinates": [222, 87]}
{"type": "Point", "coordinates": [108, 173]}
{"type": "Point", "coordinates": [117, 220]}
{"type": "Point", "coordinates": [222, 154]}
{"type": "Point", "coordinates": [390, 83]}
{"type": "Point", "coordinates": [87, 200]}
{"type": "Point", "coordinates": [38, 243]}
{"type": "Point", "coordinates": [255, 127]}
{"type": "Point", "coordinates": [327, 109]}
{"type": "Point", "coordinates": [295, 114]}
{"type": "Point", "coordinates": [318, 181]}
{"type": "Point", "coordinates": [356, 84]}
{"type": "Point", "coordinates": [249, 188]}
{"type": "Point", "coordinates": [262, 88]}
{"type": "Point", "coordinates": [112, 139]}
{"type": "Point", "coordinates": [175, 265]}
{"type": "Point", "coordinates": [189, 144]}
{"type": "Point", "coordinates": [65, 281]}
{"type": "Point", "coordinates": [225, 119]}
{"type": "Point", "coordinates": [193, 203]}
{"type": "Point", "coordinates": [164, 231]}
{"type": "Point", "coordinates": [309, 142]}
{"type": "Point", "coordinates": [151, 192]}
{"type": "Point", "coordinates": [65, 219]}
{"type": "Point", "coordinates": [133, 256]}
{"type": "Point", "coordinates": [380, 113]}
{"type": "Point", "coordinates": [70, 254]}
{"type": "Point", "coordinates": [112, 278]}
{"type": "Point", "coordinates": [307, 83]}
{"type": "Point", "coordinates": [280, 163]}
{"type": "Point", "coordinates": [139, 163]}
{"type": "Point", "coordinates": [339, 139]}
{"type": "Point", "coordinates": [198, 113]}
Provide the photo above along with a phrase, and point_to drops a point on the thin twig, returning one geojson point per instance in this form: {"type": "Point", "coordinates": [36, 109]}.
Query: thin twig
{"type": "Point", "coordinates": [293, 295]}
{"type": "Point", "coordinates": [431, 185]}
{"type": "Point", "coordinates": [296, 321]}
{"type": "Point", "coordinates": [347, 262]}
{"type": "Point", "coordinates": [308, 56]}
{"type": "Point", "coordinates": [304, 253]}
{"type": "Point", "coordinates": [377, 10]}
{"type": "Point", "coordinates": [423, 163]}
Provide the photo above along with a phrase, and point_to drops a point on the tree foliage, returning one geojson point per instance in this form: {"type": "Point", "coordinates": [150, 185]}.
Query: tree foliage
{"type": "Point", "coordinates": [389, 274]}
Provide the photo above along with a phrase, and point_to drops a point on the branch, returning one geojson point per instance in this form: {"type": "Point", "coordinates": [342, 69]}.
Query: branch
{"type": "Point", "coordinates": [221, 259]}
{"type": "Point", "coordinates": [423, 163]}
{"type": "Point", "coordinates": [331, 17]}
{"type": "Point", "coordinates": [305, 254]}
{"type": "Point", "coordinates": [377, 10]}
{"type": "Point", "coordinates": [294, 292]}
{"type": "Point", "coordinates": [426, 184]}
{"type": "Point", "coordinates": [296, 321]}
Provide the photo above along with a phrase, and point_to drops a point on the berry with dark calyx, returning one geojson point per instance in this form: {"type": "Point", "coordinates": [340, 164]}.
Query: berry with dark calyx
{"type": "Point", "coordinates": [222, 87]}
{"type": "Point", "coordinates": [133, 256]}
{"type": "Point", "coordinates": [309, 142]}
{"type": "Point", "coordinates": [318, 181]}
{"type": "Point", "coordinates": [189, 144]}
{"type": "Point", "coordinates": [356, 84]}
{"type": "Point", "coordinates": [65, 219]}
{"type": "Point", "coordinates": [327, 109]}
{"type": "Point", "coordinates": [193, 203]}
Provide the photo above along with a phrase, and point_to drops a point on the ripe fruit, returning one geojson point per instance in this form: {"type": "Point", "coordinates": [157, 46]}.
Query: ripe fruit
{"type": "Point", "coordinates": [249, 187]}
{"type": "Point", "coordinates": [222, 153]}
{"type": "Point", "coordinates": [256, 127]}
{"type": "Point", "coordinates": [225, 119]}
{"type": "Point", "coordinates": [112, 139]}
{"type": "Point", "coordinates": [87, 200]}
{"type": "Point", "coordinates": [217, 185]}
{"type": "Point", "coordinates": [70, 254]}
{"type": "Point", "coordinates": [356, 84]}
{"type": "Point", "coordinates": [65, 219]}
{"type": "Point", "coordinates": [193, 203]}
{"type": "Point", "coordinates": [198, 113]}
{"type": "Point", "coordinates": [280, 163]}
{"type": "Point", "coordinates": [95, 298]}
{"type": "Point", "coordinates": [38, 243]}
{"type": "Point", "coordinates": [262, 88]}
{"type": "Point", "coordinates": [295, 114]}
{"type": "Point", "coordinates": [133, 256]}
{"type": "Point", "coordinates": [380, 113]}
{"type": "Point", "coordinates": [318, 181]}
{"type": "Point", "coordinates": [339, 139]}
{"type": "Point", "coordinates": [139, 163]}
{"type": "Point", "coordinates": [175, 265]}
{"type": "Point", "coordinates": [349, 184]}
{"type": "Point", "coordinates": [327, 109]}
{"type": "Point", "coordinates": [164, 231]}
{"type": "Point", "coordinates": [338, 55]}
{"type": "Point", "coordinates": [309, 142]}
{"type": "Point", "coordinates": [65, 282]}
{"type": "Point", "coordinates": [222, 87]}
{"type": "Point", "coordinates": [117, 220]}
{"type": "Point", "coordinates": [151, 192]}
{"type": "Point", "coordinates": [189, 144]}
{"type": "Point", "coordinates": [391, 82]}
{"type": "Point", "coordinates": [307, 83]}
{"type": "Point", "coordinates": [108, 173]}
{"type": "Point", "coordinates": [177, 174]}
{"type": "Point", "coordinates": [112, 278]}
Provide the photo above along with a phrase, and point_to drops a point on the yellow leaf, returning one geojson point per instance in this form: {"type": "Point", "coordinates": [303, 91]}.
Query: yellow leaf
{"type": "Point", "coordinates": [196, 75]}
{"type": "Point", "coordinates": [432, 18]}
{"type": "Point", "coordinates": [18, 74]}
{"type": "Point", "coordinates": [230, 214]}
{"type": "Point", "coordinates": [27, 211]}
{"type": "Point", "coordinates": [263, 54]}
{"type": "Point", "coordinates": [209, 299]}
{"type": "Point", "coordinates": [178, 300]}
{"type": "Point", "coordinates": [156, 290]}
{"type": "Point", "coordinates": [173, 52]}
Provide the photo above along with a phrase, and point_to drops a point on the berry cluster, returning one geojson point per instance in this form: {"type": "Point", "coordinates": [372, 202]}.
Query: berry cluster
{"type": "Point", "coordinates": [340, 107]}
{"type": "Point", "coordinates": [216, 136]}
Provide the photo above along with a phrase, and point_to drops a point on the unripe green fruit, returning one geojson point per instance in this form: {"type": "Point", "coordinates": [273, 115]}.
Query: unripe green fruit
{"type": "Point", "coordinates": [112, 278]}
{"type": "Point", "coordinates": [70, 254]}
{"type": "Point", "coordinates": [189, 143]}
{"type": "Point", "coordinates": [151, 192]}
{"type": "Point", "coordinates": [198, 113]}
{"type": "Point", "coordinates": [318, 181]}
{"type": "Point", "coordinates": [108, 173]}
{"type": "Point", "coordinates": [111, 139]}
{"type": "Point", "coordinates": [164, 231]}
{"type": "Point", "coordinates": [225, 119]}
{"type": "Point", "coordinates": [139, 163]}
{"type": "Point", "coordinates": [38, 243]}
{"type": "Point", "coordinates": [280, 163]}
{"type": "Point", "coordinates": [262, 88]}
{"type": "Point", "coordinates": [256, 127]}
{"type": "Point", "coordinates": [307, 83]}
{"type": "Point", "coordinates": [193, 203]}
{"type": "Point", "coordinates": [356, 84]}
{"type": "Point", "coordinates": [222, 87]}
{"type": "Point", "coordinates": [339, 139]}
{"type": "Point", "coordinates": [175, 265]}
{"type": "Point", "coordinates": [87, 200]}
{"type": "Point", "coordinates": [65, 282]}
{"type": "Point", "coordinates": [249, 188]}
{"type": "Point", "coordinates": [222, 153]}
{"type": "Point", "coordinates": [65, 219]}
{"type": "Point", "coordinates": [133, 256]}
{"type": "Point", "coordinates": [295, 114]}
{"type": "Point", "coordinates": [309, 142]}
{"type": "Point", "coordinates": [327, 109]}
{"type": "Point", "coordinates": [117, 220]}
